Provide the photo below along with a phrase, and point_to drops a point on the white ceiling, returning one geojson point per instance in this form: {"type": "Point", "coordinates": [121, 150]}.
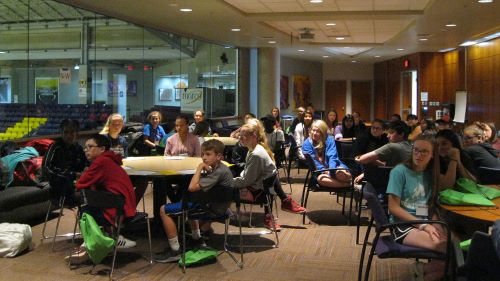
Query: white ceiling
{"type": "Point", "coordinates": [370, 27]}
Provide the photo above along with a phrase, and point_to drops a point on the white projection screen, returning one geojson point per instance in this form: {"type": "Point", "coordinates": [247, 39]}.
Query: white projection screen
{"type": "Point", "coordinates": [460, 106]}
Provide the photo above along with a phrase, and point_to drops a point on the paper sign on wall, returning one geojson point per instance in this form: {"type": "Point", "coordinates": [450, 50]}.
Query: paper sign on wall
{"type": "Point", "coordinates": [191, 100]}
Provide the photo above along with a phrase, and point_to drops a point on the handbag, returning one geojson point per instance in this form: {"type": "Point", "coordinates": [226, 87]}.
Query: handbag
{"type": "Point", "coordinates": [97, 244]}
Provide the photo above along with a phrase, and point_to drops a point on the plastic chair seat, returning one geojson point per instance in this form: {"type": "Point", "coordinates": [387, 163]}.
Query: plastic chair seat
{"type": "Point", "coordinates": [388, 248]}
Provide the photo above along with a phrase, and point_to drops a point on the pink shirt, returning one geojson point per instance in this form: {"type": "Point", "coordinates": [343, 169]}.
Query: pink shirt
{"type": "Point", "coordinates": [176, 147]}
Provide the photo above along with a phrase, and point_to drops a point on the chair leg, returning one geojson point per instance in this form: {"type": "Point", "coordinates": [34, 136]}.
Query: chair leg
{"type": "Point", "coordinates": [183, 256]}
{"type": "Point", "coordinates": [149, 231]}
{"type": "Point", "coordinates": [358, 222]}
{"type": "Point", "coordinates": [226, 250]}
{"type": "Point", "coordinates": [118, 219]}
{"type": "Point", "coordinates": [350, 209]}
{"type": "Point", "coordinates": [370, 258]}
{"type": "Point", "coordinates": [61, 202]}
{"type": "Point", "coordinates": [250, 218]}
{"type": "Point", "coordinates": [46, 219]}
{"type": "Point", "coordinates": [343, 202]}
{"type": "Point", "coordinates": [305, 206]}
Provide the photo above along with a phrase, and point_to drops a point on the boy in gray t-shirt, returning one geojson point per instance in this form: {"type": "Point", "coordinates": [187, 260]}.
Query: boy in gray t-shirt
{"type": "Point", "coordinates": [210, 189]}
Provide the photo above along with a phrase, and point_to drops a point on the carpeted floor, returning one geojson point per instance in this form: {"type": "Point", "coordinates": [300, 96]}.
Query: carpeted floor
{"type": "Point", "coordinates": [322, 249]}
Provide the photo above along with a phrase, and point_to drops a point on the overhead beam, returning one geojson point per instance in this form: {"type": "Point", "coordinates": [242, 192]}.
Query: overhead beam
{"type": "Point", "coordinates": [336, 15]}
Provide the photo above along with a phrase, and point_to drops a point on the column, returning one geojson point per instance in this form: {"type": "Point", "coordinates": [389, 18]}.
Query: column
{"type": "Point", "coordinates": [268, 81]}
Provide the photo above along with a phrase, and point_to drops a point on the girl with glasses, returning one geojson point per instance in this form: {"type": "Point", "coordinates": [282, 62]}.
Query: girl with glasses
{"type": "Point", "coordinates": [412, 191]}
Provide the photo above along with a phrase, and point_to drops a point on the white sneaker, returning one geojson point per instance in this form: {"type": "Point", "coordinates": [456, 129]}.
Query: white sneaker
{"type": "Point", "coordinates": [124, 243]}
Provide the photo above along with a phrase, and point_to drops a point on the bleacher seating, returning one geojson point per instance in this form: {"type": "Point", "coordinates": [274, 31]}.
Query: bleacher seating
{"type": "Point", "coordinates": [25, 120]}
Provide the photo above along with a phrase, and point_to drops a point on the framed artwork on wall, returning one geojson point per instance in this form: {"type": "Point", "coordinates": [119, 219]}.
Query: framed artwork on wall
{"type": "Point", "coordinates": [165, 94]}
{"type": "Point", "coordinates": [178, 94]}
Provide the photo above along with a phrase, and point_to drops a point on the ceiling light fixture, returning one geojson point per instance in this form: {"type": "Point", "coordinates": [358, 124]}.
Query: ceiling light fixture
{"type": "Point", "coordinates": [400, 49]}
{"type": "Point", "coordinates": [235, 29]}
{"type": "Point", "coordinates": [331, 24]}
{"type": "Point", "coordinates": [326, 57]}
{"type": "Point", "coordinates": [340, 38]}
{"type": "Point", "coordinates": [423, 39]}
{"type": "Point", "coordinates": [271, 42]}
{"type": "Point", "coordinates": [451, 25]}
{"type": "Point", "coordinates": [301, 50]}
{"type": "Point", "coordinates": [446, 50]}
{"type": "Point", "coordinates": [376, 56]}
{"type": "Point", "coordinates": [2, 52]}
{"type": "Point", "coordinates": [468, 43]}
{"type": "Point", "coordinates": [186, 10]}
{"type": "Point", "coordinates": [484, 1]}
{"type": "Point", "coordinates": [353, 61]}
{"type": "Point", "coordinates": [316, 1]}
{"type": "Point", "coordinates": [76, 67]}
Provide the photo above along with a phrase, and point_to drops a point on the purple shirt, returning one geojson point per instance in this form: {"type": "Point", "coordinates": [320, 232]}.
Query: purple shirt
{"type": "Point", "coordinates": [176, 147]}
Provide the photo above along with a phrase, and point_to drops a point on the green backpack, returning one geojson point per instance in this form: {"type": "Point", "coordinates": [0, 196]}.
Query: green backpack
{"type": "Point", "coordinates": [200, 256]}
{"type": "Point", "coordinates": [97, 244]}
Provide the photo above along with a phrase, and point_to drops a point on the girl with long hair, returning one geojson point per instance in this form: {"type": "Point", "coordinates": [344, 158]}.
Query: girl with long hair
{"type": "Point", "coordinates": [454, 163]}
{"type": "Point", "coordinates": [346, 129]}
{"type": "Point", "coordinates": [412, 189]}
{"type": "Point", "coordinates": [301, 133]}
{"type": "Point", "coordinates": [259, 167]}
{"type": "Point", "coordinates": [323, 151]}
{"type": "Point", "coordinates": [112, 130]}
{"type": "Point", "coordinates": [332, 121]}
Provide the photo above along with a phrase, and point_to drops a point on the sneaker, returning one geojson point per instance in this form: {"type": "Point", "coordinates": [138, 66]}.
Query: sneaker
{"type": "Point", "coordinates": [269, 221]}
{"type": "Point", "coordinates": [78, 257]}
{"type": "Point", "coordinates": [196, 243]}
{"type": "Point", "coordinates": [124, 243]}
{"type": "Point", "coordinates": [289, 205]}
{"type": "Point", "coordinates": [168, 255]}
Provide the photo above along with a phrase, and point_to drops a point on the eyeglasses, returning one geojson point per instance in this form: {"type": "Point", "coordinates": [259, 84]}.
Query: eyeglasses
{"type": "Point", "coordinates": [421, 151]}
{"type": "Point", "coordinates": [88, 147]}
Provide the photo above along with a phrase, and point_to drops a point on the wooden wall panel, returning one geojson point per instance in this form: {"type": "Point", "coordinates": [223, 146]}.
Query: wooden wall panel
{"type": "Point", "coordinates": [483, 86]}
{"type": "Point", "coordinates": [335, 96]}
{"type": "Point", "coordinates": [361, 96]}
{"type": "Point", "coordinates": [380, 91]}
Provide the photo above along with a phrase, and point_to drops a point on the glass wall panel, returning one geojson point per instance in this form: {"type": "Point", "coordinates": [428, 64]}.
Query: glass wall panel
{"type": "Point", "coordinates": [60, 62]}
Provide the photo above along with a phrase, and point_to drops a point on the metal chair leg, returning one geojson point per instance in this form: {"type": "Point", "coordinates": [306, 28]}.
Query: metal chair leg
{"type": "Point", "coordinates": [61, 202]}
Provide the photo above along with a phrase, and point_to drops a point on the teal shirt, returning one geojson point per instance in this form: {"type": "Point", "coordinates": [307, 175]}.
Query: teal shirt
{"type": "Point", "coordinates": [413, 188]}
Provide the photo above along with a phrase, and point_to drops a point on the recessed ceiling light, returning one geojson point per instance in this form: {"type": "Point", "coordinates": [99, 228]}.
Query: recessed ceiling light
{"type": "Point", "coordinates": [423, 39]}
{"type": "Point", "coordinates": [316, 1]}
{"type": "Point", "coordinates": [468, 43]}
{"type": "Point", "coordinates": [400, 49]}
{"type": "Point", "coordinates": [186, 10]}
{"type": "Point", "coordinates": [339, 38]}
{"type": "Point", "coordinates": [301, 50]}
{"type": "Point", "coordinates": [485, 1]}
{"type": "Point", "coordinates": [377, 56]}
{"type": "Point", "coordinates": [235, 29]}
{"type": "Point", "coordinates": [326, 57]}
{"type": "Point", "coordinates": [271, 42]}
{"type": "Point", "coordinates": [353, 61]}
{"type": "Point", "coordinates": [173, 4]}
{"type": "Point", "coordinates": [347, 47]}
{"type": "Point", "coordinates": [2, 52]}
{"type": "Point", "coordinates": [451, 25]}
{"type": "Point", "coordinates": [331, 24]}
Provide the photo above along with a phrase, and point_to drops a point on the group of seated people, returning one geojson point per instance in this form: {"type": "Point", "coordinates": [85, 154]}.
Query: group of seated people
{"type": "Point", "coordinates": [427, 158]}
{"type": "Point", "coordinates": [423, 166]}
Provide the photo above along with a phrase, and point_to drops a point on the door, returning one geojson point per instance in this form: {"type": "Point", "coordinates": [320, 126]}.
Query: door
{"type": "Point", "coordinates": [408, 93]}
{"type": "Point", "coordinates": [335, 92]}
{"type": "Point", "coordinates": [361, 98]}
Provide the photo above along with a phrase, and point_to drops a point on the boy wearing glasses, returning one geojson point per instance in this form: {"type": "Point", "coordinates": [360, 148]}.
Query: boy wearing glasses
{"type": "Point", "coordinates": [105, 173]}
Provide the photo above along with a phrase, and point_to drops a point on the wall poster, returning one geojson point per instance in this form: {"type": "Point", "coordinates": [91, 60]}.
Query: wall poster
{"type": "Point", "coordinates": [284, 92]}
{"type": "Point", "coordinates": [301, 90]}
{"type": "Point", "coordinates": [5, 96]}
{"type": "Point", "coordinates": [165, 94]}
{"type": "Point", "coordinates": [46, 90]}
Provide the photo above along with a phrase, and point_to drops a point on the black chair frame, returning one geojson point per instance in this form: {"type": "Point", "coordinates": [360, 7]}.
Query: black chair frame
{"type": "Point", "coordinates": [311, 185]}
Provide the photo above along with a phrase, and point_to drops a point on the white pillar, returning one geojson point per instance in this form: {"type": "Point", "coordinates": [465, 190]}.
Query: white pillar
{"type": "Point", "coordinates": [269, 80]}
